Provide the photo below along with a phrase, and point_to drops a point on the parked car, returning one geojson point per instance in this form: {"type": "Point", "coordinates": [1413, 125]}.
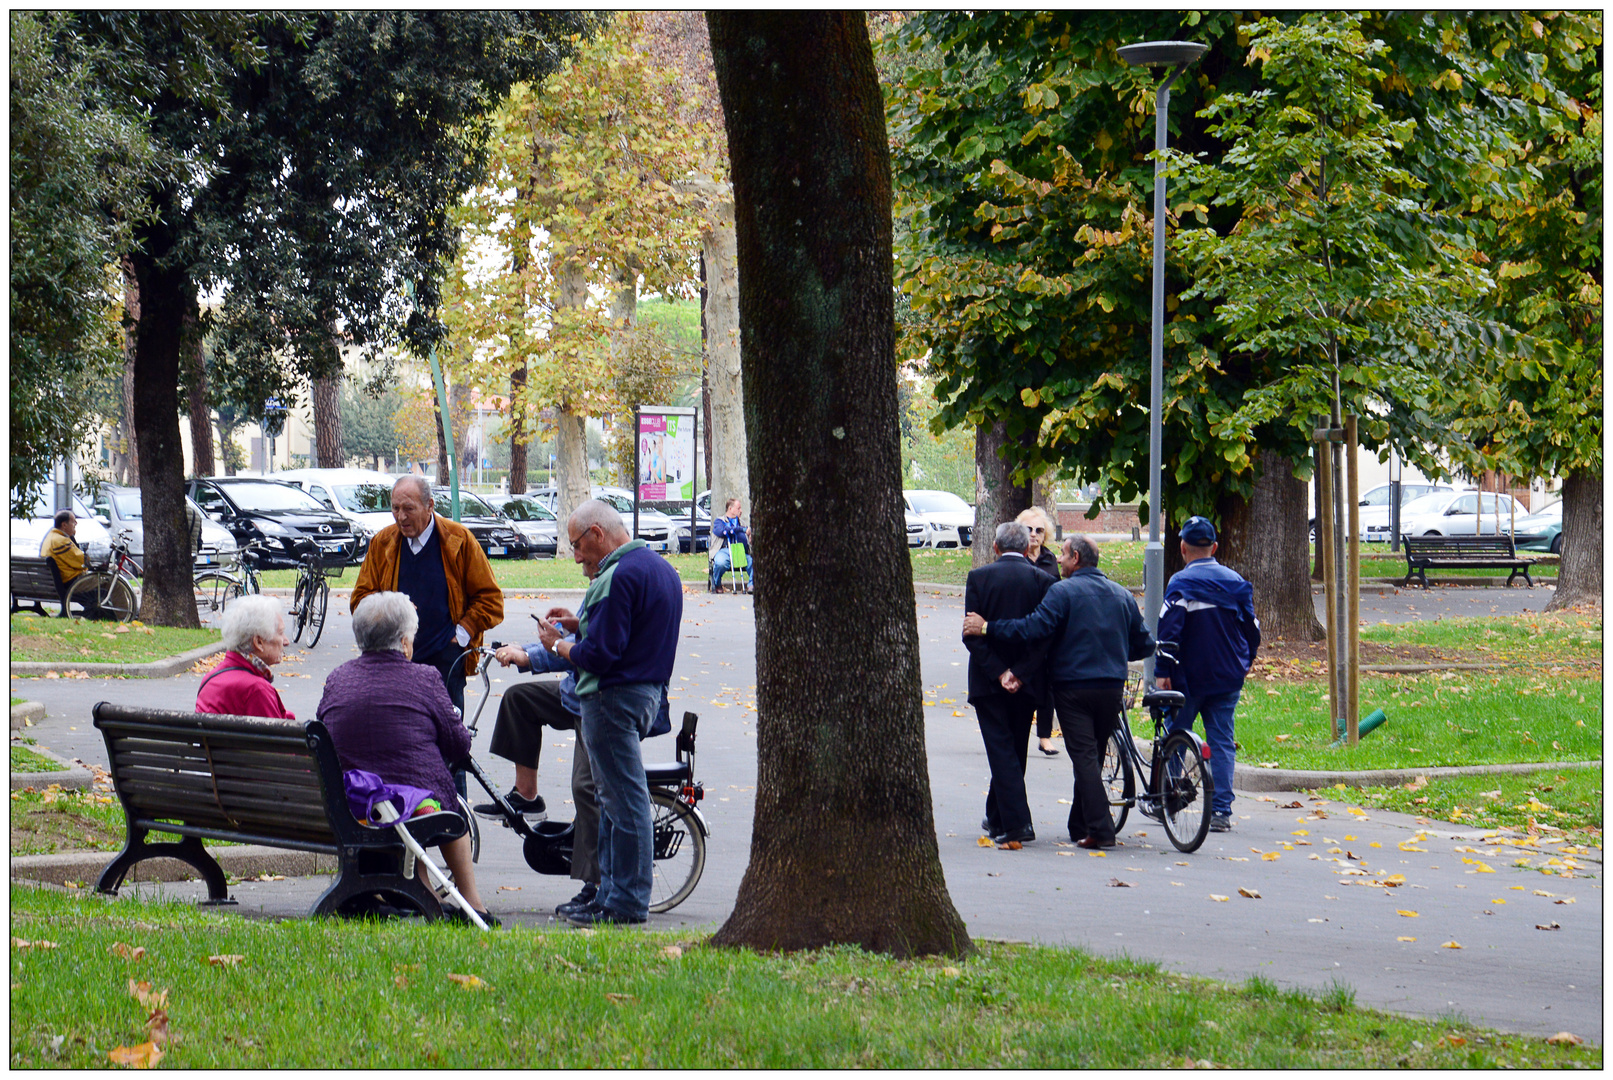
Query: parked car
{"type": "Point", "coordinates": [362, 496]}
{"type": "Point", "coordinates": [532, 520]}
{"type": "Point", "coordinates": [497, 534]}
{"type": "Point", "coordinates": [28, 533]}
{"type": "Point", "coordinates": [283, 517]}
{"type": "Point", "coordinates": [918, 530]}
{"type": "Point", "coordinates": [1542, 530]}
{"type": "Point", "coordinates": [654, 527]}
{"type": "Point", "coordinates": [1460, 513]}
{"type": "Point", "coordinates": [118, 508]}
{"type": "Point", "coordinates": [951, 520]}
{"type": "Point", "coordinates": [1374, 512]}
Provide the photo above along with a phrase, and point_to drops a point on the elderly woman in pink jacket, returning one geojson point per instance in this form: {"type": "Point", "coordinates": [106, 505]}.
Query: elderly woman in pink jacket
{"type": "Point", "coordinates": [254, 641]}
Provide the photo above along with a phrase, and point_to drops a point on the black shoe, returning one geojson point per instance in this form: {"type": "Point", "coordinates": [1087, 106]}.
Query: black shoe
{"type": "Point", "coordinates": [1221, 823]}
{"type": "Point", "coordinates": [453, 914]}
{"type": "Point", "coordinates": [989, 828]}
{"type": "Point", "coordinates": [584, 898]}
{"type": "Point", "coordinates": [595, 915]}
{"type": "Point", "coordinates": [531, 809]}
{"type": "Point", "coordinates": [1023, 835]}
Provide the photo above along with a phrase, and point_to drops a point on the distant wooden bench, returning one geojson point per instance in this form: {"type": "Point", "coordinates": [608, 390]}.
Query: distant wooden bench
{"type": "Point", "coordinates": [253, 780]}
{"type": "Point", "coordinates": [1424, 553]}
{"type": "Point", "coordinates": [34, 579]}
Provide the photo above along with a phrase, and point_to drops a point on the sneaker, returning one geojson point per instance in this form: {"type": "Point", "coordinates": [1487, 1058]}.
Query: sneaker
{"type": "Point", "coordinates": [1221, 823]}
{"type": "Point", "coordinates": [584, 898]}
{"type": "Point", "coordinates": [531, 809]}
{"type": "Point", "coordinates": [595, 915]}
{"type": "Point", "coordinates": [453, 914]}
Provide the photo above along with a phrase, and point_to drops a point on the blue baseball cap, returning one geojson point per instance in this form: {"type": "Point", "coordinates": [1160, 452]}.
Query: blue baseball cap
{"type": "Point", "coordinates": [1198, 532]}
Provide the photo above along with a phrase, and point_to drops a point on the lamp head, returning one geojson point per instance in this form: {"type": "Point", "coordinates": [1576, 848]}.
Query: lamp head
{"type": "Point", "coordinates": [1162, 53]}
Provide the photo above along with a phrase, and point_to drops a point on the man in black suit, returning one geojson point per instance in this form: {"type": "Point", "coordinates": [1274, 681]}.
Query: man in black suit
{"type": "Point", "coordinates": [1005, 680]}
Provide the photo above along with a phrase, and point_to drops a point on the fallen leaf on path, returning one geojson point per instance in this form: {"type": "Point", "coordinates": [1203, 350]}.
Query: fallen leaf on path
{"type": "Point", "coordinates": [467, 982]}
{"type": "Point", "coordinates": [1270, 856]}
{"type": "Point", "coordinates": [128, 952]}
{"type": "Point", "coordinates": [509, 888]}
{"type": "Point", "coordinates": [1450, 945]}
{"type": "Point", "coordinates": [1568, 900]}
{"type": "Point", "coordinates": [1543, 892]}
{"type": "Point", "coordinates": [1014, 845]}
{"type": "Point", "coordinates": [1098, 854]}
{"type": "Point", "coordinates": [1295, 805]}
{"type": "Point", "coordinates": [1116, 883]}
{"type": "Point", "coordinates": [1548, 926]}
{"type": "Point", "coordinates": [1565, 1038]}
{"type": "Point", "coordinates": [1219, 899]}
{"type": "Point", "coordinates": [1250, 894]}
{"type": "Point", "coordinates": [1407, 914]}
{"type": "Point", "coordinates": [1405, 938]}
{"type": "Point", "coordinates": [984, 841]}
{"type": "Point", "coordinates": [144, 1056]}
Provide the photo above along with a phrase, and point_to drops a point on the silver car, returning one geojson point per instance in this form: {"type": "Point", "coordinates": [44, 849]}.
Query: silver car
{"type": "Point", "coordinates": [118, 508]}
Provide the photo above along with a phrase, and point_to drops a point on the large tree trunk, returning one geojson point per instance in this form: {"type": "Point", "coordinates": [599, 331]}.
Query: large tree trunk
{"type": "Point", "coordinates": [997, 499]}
{"type": "Point", "coordinates": [518, 435]}
{"type": "Point", "coordinates": [725, 414]}
{"type": "Point", "coordinates": [328, 423]}
{"type": "Point", "coordinates": [571, 441]}
{"type": "Point", "coordinates": [1579, 578]}
{"type": "Point", "coordinates": [843, 845]}
{"type": "Point", "coordinates": [705, 373]}
{"type": "Point", "coordinates": [167, 300]}
{"type": "Point", "coordinates": [201, 417]}
{"type": "Point", "coordinates": [1265, 540]}
{"type": "Point", "coordinates": [126, 455]}
{"type": "Point", "coordinates": [442, 440]}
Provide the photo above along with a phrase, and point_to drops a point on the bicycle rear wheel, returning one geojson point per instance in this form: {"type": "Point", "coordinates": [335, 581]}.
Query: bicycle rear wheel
{"type": "Point", "coordinates": [1185, 789]}
{"type": "Point", "coordinates": [299, 607]}
{"type": "Point", "coordinates": [317, 602]}
{"type": "Point", "coordinates": [108, 592]}
{"type": "Point", "coordinates": [1119, 781]}
{"type": "Point", "coordinates": [213, 591]}
{"type": "Point", "coordinates": [680, 851]}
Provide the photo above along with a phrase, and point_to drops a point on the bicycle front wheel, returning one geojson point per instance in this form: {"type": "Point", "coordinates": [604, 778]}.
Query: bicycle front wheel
{"type": "Point", "coordinates": [108, 593]}
{"type": "Point", "coordinates": [680, 851]}
{"type": "Point", "coordinates": [1185, 790]}
{"type": "Point", "coordinates": [214, 590]}
{"type": "Point", "coordinates": [1119, 781]}
{"type": "Point", "coordinates": [318, 600]}
{"type": "Point", "coordinates": [299, 608]}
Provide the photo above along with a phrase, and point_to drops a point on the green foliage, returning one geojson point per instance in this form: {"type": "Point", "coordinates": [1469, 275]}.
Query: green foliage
{"type": "Point", "coordinates": [367, 421]}
{"type": "Point", "coordinates": [933, 457]}
{"type": "Point", "coordinates": [77, 164]}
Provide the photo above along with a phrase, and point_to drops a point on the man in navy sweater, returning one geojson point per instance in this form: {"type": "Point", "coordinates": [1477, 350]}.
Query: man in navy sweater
{"type": "Point", "coordinates": [627, 640]}
{"type": "Point", "coordinates": [1210, 613]}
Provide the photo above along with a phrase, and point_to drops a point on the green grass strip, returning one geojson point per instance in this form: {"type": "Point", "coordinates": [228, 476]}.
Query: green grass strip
{"type": "Point", "coordinates": [1568, 801]}
{"type": "Point", "coordinates": [321, 993]}
{"type": "Point", "coordinates": [25, 760]}
{"type": "Point", "coordinates": [86, 641]}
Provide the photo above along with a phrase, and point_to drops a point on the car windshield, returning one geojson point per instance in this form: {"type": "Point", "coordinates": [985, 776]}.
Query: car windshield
{"type": "Point", "coordinates": [470, 504]}
{"type": "Point", "coordinates": [128, 504]}
{"type": "Point", "coordinates": [364, 498]}
{"type": "Point", "coordinates": [526, 510]}
{"type": "Point", "coordinates": [270, 495]}
{"type": "Point", "coordinates": [1378, 496]}
{"type": "Point", "coordinates": [937, 502]}
{"type": "Point", "coordinates": [1429, 504]}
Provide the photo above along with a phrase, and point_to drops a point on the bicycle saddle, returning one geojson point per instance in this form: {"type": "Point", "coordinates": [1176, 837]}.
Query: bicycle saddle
{"type": "Point", "coordinates": [1163, 698]}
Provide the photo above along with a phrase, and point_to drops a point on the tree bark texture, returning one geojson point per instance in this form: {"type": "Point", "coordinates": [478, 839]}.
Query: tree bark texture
{"type": "Point", "coordinates": [442, 440]}
{"type": "Point", "coordinates": [843, 846]}
{"type": "Point", "coordinates": [126, 456]}
{"type": "Point", "coordinates": [167, 302]}
{"type": "Point", "coordinates": [1579, 578]}
{"type": "Point", "coordinates": [328, 422]}
{"type": "Point", "coordinates": [517, 432]}
{"type": "Point", "coordinates": [997, 499]}
{"type": "Point", "coordinates": [1265, 538]}
{"type": "Point", "coordinates": [571, 443]}
{"type": "Point", "coordinates": [201, 416]}
{"type": "Point", "coordinates": [729, 473]}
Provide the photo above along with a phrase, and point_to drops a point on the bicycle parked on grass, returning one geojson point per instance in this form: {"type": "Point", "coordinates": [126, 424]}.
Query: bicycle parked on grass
{"type": "Point", "coordinates": [1177, 786]}
{"type": "Point", "coordinates": [678, 826]}
{"type": "Point", "coordinates": [109, 587]}
{"type": "Point", "coordinates": [216, 586]}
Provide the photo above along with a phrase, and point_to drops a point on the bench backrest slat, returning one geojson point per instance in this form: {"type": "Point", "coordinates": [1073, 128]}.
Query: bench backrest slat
{"type": "Point", "coordinates": [1460, 545]}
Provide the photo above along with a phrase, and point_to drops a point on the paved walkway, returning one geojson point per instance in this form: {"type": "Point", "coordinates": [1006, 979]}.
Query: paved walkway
{"type": "Point", "coordinates": [1317, 918]}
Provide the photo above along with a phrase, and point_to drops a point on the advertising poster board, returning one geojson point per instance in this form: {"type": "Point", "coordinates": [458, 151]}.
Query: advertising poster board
{"type": "Point", "coordinates": [666, 454]}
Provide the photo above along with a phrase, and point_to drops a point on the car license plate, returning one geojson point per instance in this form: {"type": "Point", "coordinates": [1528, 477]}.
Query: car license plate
{"type": "Point", "coordinates": [332, 545]}
{"type": "Point", "coordinates": [496, 549]}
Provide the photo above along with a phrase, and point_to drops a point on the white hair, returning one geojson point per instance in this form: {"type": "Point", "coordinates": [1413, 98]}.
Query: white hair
{"type": "Point", "coordinates": [248, 617]}
{"type": "Point", "coordinates": [421, 483]}
{"type": "Point", "coordinates": [601, 513]}
{"type": "Point", "coordinates": [384, 621]}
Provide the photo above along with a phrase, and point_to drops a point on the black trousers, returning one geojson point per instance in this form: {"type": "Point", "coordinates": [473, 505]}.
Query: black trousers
{"type": "Point", "coordinates": [1044, 716]}
{"type": "Point", "coordinates": [1088, 716]}
{"type": "Point", "coordinates": [527, 708]}
{"type": "Point", "coordinates": [1005, 727]}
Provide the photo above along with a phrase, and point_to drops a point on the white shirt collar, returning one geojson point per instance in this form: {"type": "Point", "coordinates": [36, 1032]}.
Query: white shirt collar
{"type": "Point", "coordinates": [417, 543]}
{"type": "Point", "coordinates": [1015, 554]}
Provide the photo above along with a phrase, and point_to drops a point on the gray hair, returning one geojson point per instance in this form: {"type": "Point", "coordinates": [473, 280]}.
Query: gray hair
{"type": "Point", "coordinates": [421, 483]}
{"type": "Point", "coordinates": [601, 513]}
{"type": "Point", "coordinates": [1012, 536]}
{"type": "Point", "coordinates": [1084, 550]}
{"type": "Point", "coordinates": [384, 621]}
{"type": "Point", "coordinates": [248, 617]}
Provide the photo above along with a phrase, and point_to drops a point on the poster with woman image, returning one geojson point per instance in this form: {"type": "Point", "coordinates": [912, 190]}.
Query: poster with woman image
{"type": "Point", "coordinates": [666, 454]}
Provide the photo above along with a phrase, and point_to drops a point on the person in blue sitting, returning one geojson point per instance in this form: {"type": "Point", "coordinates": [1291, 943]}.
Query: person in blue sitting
{"type": "Point", "coordinates": [730, 530]}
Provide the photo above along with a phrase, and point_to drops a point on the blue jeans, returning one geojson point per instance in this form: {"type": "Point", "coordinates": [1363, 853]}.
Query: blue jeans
{"type": "Point", "coordinates": [1217, 711]}
{"type": "Point", "coordinates": [613, 721]}
{"type": "Point", "coordinates": [723, 561]}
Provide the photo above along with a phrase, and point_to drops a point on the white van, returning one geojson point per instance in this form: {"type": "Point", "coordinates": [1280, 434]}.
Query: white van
{"type": "Point", "coordinates": [362, 496]}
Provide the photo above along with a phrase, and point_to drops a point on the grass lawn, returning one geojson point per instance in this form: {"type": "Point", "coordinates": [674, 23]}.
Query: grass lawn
{"type": "Point", "coordinates": [88, 641]}
{"type": "Point", "coordinates": [45, 822]}
{"type": "Point", "coordinates": [25, 760]}
{"type": "Point", "coordinates": [323, 993]}
{"type": "Point", "coordinates": [1569, 800]}
{"type": "Point", "coordinates": [1527, 639]}
{"type": "Point", "coordinates": [15, 700]}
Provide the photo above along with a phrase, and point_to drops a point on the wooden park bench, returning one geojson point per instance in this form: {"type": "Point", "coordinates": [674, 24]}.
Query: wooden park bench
{"type": "Point", "coordinates": [34, 579]}
{"type": "Point", "coordinates": [1424, 553]}
{"type": "Point", "coordinates": [253, 780]}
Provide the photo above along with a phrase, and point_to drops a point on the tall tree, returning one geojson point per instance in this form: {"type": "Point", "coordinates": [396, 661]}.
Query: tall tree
{"type": "Point", "coordinates": [324, 151]}
{"type": "Point", "coordinates": [843, 845]}
{"type": "Point", "coordinates": [367, 414]}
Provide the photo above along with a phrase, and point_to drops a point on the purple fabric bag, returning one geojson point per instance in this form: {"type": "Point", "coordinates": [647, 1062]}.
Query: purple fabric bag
{"type": "Point", "coordinates": [365, 790]}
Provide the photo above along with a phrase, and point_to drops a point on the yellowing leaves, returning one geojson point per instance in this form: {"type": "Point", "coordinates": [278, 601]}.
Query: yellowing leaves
{"type": "Point", "coordinates": [1404, 938]}
{"type": "Point", "coordinates": [128, 952]}
{"type": "Point", "coordinates": [1219, 899]}
{"type": "Point", "coordinates": [1270, 856]}
{"type": "Point", "coordinates": [141, 991]}
{"type": "Point", "coordinates": [1251, 894]}
{"type": "Point", "coordinates": [144, 1056]}
{"type": "Point", "coordinates": [1450, 945]}
{"type": "Point", "coordinates": [1407, 914]}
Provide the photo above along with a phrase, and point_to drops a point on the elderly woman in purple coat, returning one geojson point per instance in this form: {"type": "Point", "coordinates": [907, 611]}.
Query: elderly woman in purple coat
{"type": "Point", "coordinates": [392, 717]}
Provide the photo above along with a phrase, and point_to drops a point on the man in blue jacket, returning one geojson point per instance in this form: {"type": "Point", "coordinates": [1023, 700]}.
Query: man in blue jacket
{"type": "Point", "coordinates": [1210, 613]}
{"type": "Point", "coordinates": [627, 640]}
{"type": "Point", "coordinates": [1096, 628]}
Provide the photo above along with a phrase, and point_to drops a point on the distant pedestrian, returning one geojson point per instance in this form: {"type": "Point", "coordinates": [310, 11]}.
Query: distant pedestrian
{"type": "Point", "coordinates": [1210, 613]}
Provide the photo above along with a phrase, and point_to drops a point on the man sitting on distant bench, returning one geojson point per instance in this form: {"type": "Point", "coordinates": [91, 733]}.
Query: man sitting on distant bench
{"type": "Point", "coordinates": [60, 547]}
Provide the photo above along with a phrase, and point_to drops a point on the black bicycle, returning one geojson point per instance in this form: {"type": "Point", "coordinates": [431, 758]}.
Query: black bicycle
{"type": "Point", "coordinates": [217, 585]}
{"type": "Point", "coordinates": [1178, 787]}
{"type": "Point", "coordinates": [312, 595]}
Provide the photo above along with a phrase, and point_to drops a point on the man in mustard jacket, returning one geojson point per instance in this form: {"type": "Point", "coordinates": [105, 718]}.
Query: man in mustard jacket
{"type": "Point", "coordinates": [439, 565]}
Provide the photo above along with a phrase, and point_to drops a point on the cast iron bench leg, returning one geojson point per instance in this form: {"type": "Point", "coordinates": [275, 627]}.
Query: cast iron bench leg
{"type": "Point", "coordinates": [188, 850]}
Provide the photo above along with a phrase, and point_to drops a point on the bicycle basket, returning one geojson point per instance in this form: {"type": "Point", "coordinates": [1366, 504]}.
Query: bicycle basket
{"type": "Point", "coordinates": [1134, 685]}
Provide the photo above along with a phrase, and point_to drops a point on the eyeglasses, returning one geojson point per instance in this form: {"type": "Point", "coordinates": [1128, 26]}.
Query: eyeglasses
{"type": "Point", "coordinates": [579, 536]}
{"type": "Point", "coordinates": [1036, 528]}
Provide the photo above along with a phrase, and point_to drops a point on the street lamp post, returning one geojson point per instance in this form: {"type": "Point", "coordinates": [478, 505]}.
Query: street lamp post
{"type": "Point", "coordinates": [1178, 55]}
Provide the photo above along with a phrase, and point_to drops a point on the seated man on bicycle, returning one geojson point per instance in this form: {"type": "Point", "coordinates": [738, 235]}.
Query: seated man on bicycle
{"type": "Point", "coordinates": [1097, 627]}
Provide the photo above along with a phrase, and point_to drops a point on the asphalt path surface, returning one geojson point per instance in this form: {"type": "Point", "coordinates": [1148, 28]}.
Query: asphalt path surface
{"type": "Point", "coordinates": [1318, 918]}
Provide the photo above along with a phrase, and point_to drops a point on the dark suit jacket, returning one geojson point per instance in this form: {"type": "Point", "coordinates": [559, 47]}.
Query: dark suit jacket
{"type": "Point", "coordinates": [1009, 588]}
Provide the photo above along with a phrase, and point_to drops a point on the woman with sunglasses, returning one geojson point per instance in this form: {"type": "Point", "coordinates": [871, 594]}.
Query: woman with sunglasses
{"type": "Point", "coordinates": [1041, 556]}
